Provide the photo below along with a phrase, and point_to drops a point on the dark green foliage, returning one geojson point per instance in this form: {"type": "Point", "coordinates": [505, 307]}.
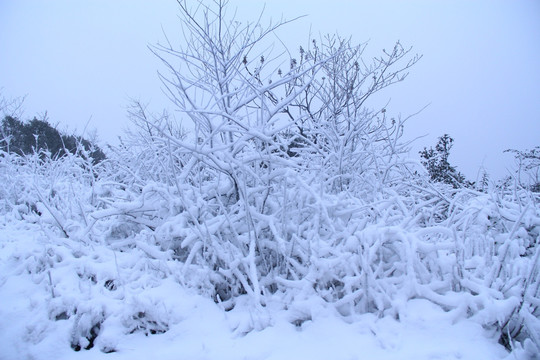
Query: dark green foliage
{"type": "Point", "coordinates": [38, 135]}
{"type": "Point", "coordinates": [438, 167]}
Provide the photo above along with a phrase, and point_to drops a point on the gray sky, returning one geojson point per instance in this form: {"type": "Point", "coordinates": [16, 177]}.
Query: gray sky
{"type": "Point", "coordinates": [82, 60]}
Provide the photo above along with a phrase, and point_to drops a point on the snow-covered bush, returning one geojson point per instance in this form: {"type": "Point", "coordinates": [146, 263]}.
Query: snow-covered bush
{"type": "Point", "coordinates": [289, 186]}
{"type": "Point", "coordinates": [288, 193]}
{"type": "Point", "coordinates": [245, 193]}
{"type": "Point", "coordinates": [58, 191]}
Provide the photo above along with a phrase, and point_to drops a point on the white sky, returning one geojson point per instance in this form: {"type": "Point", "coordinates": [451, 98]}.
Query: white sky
{"type": "Point", "coordinates": [82, 60]}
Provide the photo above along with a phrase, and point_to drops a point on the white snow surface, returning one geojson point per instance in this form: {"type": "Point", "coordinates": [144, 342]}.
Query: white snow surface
{"type": "Point", "coordinates": [53, 291]}
{"type": "Point", "coordinates": [290, 224]}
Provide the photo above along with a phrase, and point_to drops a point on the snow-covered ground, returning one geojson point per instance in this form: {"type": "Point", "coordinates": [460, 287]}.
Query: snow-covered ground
{"type": "Point", "coordinates": [286, 221]}
{"type": "Point", "coordinates": [53, 293]}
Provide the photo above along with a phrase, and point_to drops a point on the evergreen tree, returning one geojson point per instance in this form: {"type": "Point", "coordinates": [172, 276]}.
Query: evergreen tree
{"type": "Point", "coordinates": [438, 166]}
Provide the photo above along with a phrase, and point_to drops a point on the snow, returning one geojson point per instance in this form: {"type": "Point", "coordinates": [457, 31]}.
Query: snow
{"type": "Point", "coordinates": [120, 260]}
{"type": "Point", "coordinates": [263, 235]}
{"type": "Point", "coordinates": [39, 320]}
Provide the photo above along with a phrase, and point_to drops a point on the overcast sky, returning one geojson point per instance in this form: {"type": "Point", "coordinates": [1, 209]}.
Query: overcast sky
{"type": "Point", "coordinates": [82, 60]}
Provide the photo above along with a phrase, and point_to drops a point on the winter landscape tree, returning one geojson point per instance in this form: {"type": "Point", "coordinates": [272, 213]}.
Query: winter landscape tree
{"type": "Point", "coordinates": [437, 165]}
{"type": "Point", "coordinates": [279, 191]}
{"type": "Point", "coordinates": [259, 129]}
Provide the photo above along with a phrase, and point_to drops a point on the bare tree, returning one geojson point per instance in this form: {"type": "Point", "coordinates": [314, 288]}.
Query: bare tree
{"type": "Point", "coordinates": [528, 168]}
{"type": "Point", "coordinates": [268, 133]}
{"type": "Point", "coordinates": [233, 109]}
{"type": "Point", "coordinates": [333, 114]}
{"type": "Point", "coordinates": [11, 106]}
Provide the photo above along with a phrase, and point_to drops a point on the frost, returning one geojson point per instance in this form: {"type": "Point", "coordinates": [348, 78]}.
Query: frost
{"type": "Point", "coordinates": [314, 256]}
{"type": "Point", "coordinates": [289, 224]}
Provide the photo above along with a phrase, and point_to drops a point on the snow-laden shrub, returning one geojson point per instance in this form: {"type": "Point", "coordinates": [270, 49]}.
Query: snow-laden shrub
{"type": "Point", "coordinates": [475, 254]}
{"type": "Point", "coordinates": [284, 245]}
{"type": "Point", "coordinates": [288, 193]}
{"type": "Point", "coordinates": [290, 187]}
{"type": "Point", "coordinates": [60, 191]}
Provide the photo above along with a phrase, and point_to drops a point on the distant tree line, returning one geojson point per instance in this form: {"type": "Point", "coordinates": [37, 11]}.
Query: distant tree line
{"type": "Point", "coordinates": [36, 135]}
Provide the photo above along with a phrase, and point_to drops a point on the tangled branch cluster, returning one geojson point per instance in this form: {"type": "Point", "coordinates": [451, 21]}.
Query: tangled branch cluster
{"type": "Point", "coordinates": [288, 187]}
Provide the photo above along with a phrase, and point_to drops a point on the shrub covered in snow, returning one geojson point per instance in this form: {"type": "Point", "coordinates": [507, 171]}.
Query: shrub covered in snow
{"type": "Point", "coordinates": [290, 195]}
